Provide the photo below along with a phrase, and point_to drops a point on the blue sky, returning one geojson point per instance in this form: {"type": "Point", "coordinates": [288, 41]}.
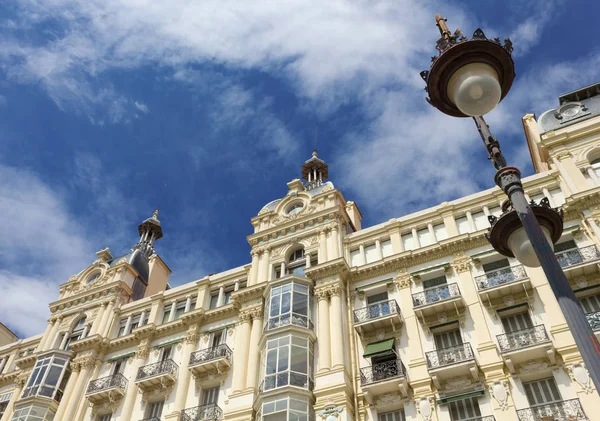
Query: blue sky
{"type": "Point", "coordinates": [103, 102]}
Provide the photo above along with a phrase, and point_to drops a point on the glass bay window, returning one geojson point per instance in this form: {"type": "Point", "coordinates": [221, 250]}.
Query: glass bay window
{"type": "Point", "coordinates": [287, 361]}
{"type": "Point", "coordinates": [48, 378]}
{"type": "Point", "coordinates": [286, 409]}
{"type": "Point", "coordinates": [289, 303]}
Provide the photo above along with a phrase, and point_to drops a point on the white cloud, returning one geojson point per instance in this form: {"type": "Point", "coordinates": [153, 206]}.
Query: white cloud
{"type": "Point", "coordinates": [41, 246]}
{"type": "Point", "coordinates": [142, 107]}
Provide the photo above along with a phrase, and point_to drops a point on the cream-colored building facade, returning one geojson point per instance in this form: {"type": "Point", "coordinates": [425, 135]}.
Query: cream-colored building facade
{"type": "Point", "coordinates": [416, 318]}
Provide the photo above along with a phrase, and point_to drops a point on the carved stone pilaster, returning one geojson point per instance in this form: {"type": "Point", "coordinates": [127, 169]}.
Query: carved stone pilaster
{"type": "Point", "coordinates": [402, 279]}
{"type": "Point", "coordinates": [461, 263]}
{"type": "Point", "coordinates": [322, 294]}
{"type": "Point", "coordinates": [245, 316]}
{"type": "Point", "coordinates": [142, 351]}
{"type": "Point", "coordinates": [193, 335]}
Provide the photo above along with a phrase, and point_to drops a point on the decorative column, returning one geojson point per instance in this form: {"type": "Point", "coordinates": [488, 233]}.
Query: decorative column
{"type": "Point", "coordinates": [471, 221]}
{"type": "Point", "coordinates": [415, 237]}
{"type": "Point", "coordinates": [240, 353]}
{"type": "Point", "coordinates": [335, 242]}
{"type": "Point", "coordinates": [378, 250]}
{"type": "Point", "coordinates": [84, 408]}
{"type": "Point", "coordinates": [264, 266]}
{"type": "Point", "coordinates": [183, 382]}
{"type": "Point", "coordinates": [361, 252]}
{"type": "Point", "coordinates": [252, 279]}
{"type": "Point", "coordinates": [202, 290]}
{"type": "Point", "coordinates": [98, 319]}
{"type": "Point", "coordinates": [396, 239]}
{"type": "Point", "coordinates": [323, 330]}
{"type": "Point", "coordinates": [221, 296]}
{"type": "Point", "coordinates": [322, 246]}
{"type": "Point", "coordinates": [141, 353]}
{"type": "Point", "coordinates": [188, 303]}
{"type": "Point", "coordinates": [337, 328]}
{"type": "Point", "coordinates": [44, 336]}
{"type": "Point", "coordinates": [86, 365]}
{"type": "Point", "coordinates": [253, 351]}
{"type": "Point", "coordinates": [128, 324]}
{"type": "Point", "coordinates": [106, 318]}
{"type": "Point", "coordinates": [49, 343]}
{"type": "Point", "coordinates": [431, 232]}
{"type": "Point", "coordinates": [63, 341]}
{"type": "Point", "coordinates": [173, 310]}
{"type": "Point", "coordinates": [10, 408]}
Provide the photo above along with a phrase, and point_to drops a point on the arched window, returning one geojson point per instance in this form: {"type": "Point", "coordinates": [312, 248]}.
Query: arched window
{"type": "Point", "coordinates": [294, 208]}
{"type": "Point", "coordinates": [297, 263]}
{"type": "Point", "coordinates": [79, 331]}
{"type": "Point", "coordinates": [595, 164]}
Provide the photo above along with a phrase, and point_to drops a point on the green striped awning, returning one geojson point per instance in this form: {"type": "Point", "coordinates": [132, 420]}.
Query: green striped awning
{"type": "Point", "coordinates": [460, 397]}
{"type": "Point", "coordinates": [378, 348]}
{"type": "Point", "coordinates": [174, 341]}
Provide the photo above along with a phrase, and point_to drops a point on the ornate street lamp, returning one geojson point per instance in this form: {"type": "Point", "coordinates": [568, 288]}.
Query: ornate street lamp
{"type": "Point", "coordinates": [468, 78]}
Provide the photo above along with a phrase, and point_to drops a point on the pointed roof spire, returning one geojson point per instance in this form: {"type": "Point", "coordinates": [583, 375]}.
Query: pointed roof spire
{"type": "Point", "coordinates": [314, 170]}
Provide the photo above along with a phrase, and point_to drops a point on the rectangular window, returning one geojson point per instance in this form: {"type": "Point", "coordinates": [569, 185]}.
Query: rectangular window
{"type": "Point", "coordinates": [217, 338]}
{"type": "Point", "coordinates": [565, 245]}
{"type": "Point", "coordinates": [166, 352]}
{"type": "Point", "coordinates": [557, 197]}
{"type": "Point", "coordinates": [591, 303]}
{"type": "Point", "coordinates": [155, 409]}
{"type": "Point", "coordinates": [386, 248]}
{"type": "Point", "coordinates": [135, 322]}
{"type": "Point", "coordinates": [498, 264]}
{"type": "Point", "coordinates": [465, 409]}
{"type": "Point", "coordinates": [516, 322]}
{"type": "Point", "coordinates": [45, 380]}
{"type": "Point", "coordinates": [214, 300]}
{"type": "Point", "coordinates": [355, 258]}
{"type": "Point", "coordinates": [179, 309]}
{"type": "Point", "coordinates": [376, 298]}
{"type": "Point", "coordinates": [424, 237]}
{"type": "Point", "coordinates": [392, 416]}
{"type": "Point", "coordinates": [105, 417]}
{"type": "Point", "coordinates": [542, 391]}
{"type": "Point", "coordinates": [435, 282]}
{"type": "Point", "coordinates": [408, 242]}
{"type": "Point", "coordinates": [210, 396]}
{"type": "Point", "coordinates": [463, 225]}
{"type": "Point", "coordinates": [447, 339]}
{"type": "Point", "coordinates": [119, 366]}
{"type": "Point", "coordinates": [371, 253]}
{"type": "Point", "coordinates": [166, 314]}
{"type": "Point", "coordinates": [481, 221]}
{"type": "Point", "coordinates": [440, 232]}
{"type": "Point", "coordinates": [228, 295]}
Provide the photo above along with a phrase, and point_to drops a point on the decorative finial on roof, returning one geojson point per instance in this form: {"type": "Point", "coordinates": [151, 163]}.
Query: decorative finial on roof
{"type": "Point", "coordinates": [155, 214]}
{"type": "Point", "coordinates": [314, 170]}
{"type": "Point", "coordinates": [150, 230]}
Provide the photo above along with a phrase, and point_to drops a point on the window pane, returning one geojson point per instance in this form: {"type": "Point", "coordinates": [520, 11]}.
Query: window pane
{"type": "Point", "coordinates": [271, 361]}
{"type": "Point", "coordinates": [386, 248]}
{"type": "Point", "coordinates": [299, 359]}
{"type": "Point", "coordinates": [301, 304]}
{"type": "Point", "coordinates": [275, 305]}
{"type": "Point", "coordinates": [463, 225]}
{"type": "Point", "coordinates": [481, 221]}
{"type": "Point", "coordinates": [371, 253]}
{"type": "Point", "coordinates": [285, 302]}
{"type": "Point", "coordinates": [408, 242]}
{"type": "Point", "coordinates": [282, 364]}
{"type": "Point", "coordinates": [355, 259]}
{"type": "Point", "coordinates": [424, 237]}
{"type": "Point", "coordinates": [440, 232]}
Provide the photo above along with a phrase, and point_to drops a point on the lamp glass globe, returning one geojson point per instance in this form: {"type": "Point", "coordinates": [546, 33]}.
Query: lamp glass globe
{"type": "Point", "coordinates": [519, 244]}
{"type": "Point", "coordinates": [475, 89]}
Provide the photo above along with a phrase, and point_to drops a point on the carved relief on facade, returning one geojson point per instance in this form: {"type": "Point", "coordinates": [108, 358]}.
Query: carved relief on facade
{"type": "Point", "coordinates": [499, 391]}
{"type": "Point", "coordinates": [580, 375]}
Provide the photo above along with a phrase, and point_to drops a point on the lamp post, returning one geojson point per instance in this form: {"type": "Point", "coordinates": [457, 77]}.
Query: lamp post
{"type": "Point", "coordinates": [468, 78]}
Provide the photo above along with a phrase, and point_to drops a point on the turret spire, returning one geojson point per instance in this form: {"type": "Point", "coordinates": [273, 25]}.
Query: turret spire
{"type": "Point", "coordinates": [150, 230]}
{"type": "Point", "coordinates": [314, 171]}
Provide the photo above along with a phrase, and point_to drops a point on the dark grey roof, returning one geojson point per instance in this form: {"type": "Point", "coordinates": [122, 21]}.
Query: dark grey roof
{"type": "Point", "coordinates": [137, 260]}
{"type": "Point", "coordinates": [574, 107]}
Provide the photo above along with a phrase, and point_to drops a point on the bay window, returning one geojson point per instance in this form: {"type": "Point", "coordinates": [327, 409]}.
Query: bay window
{"type": "Point", "coordinates": [290, 303]}
{"type": "Point", "coordinates": [288, 361]}
{"type": "Point", "coordinates": [286, 409]}
{"type": "Point", "coordinates": [48, 378]}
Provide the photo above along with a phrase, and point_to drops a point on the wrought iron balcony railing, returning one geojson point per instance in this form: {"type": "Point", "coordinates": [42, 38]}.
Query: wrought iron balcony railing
{"type": "Point", "coordinates": [500, 276]}
{"type": "Point", "coordinates": [203, 412]}
{"type": "Point", "coordinates": [575, 256]}
{"type": "Point", "coordinates": [432, 295]}
{"type": "Point", "coordinates": [219, 351]}
{"type": "Point", "coordinates": [484, 418]}
{"type": "Point", "coordinates": [570, 410]}
{"type": "Point", "coordinates": [116, 381]}
{"type": "Point", "coordinates": [288, 319]}
{"type": "Point", "coordinates": [286, 378]}
{"type": "Point", "coordinates": [594, 320]}
{"type": "Point", "coordinates": [522, 338]}
{"type": "Point", "coordinates": [161, 367]}
{"type": "Point", "coordinates": [151, 419]}
{"type": "Point", "coordinates": [382, 371]}
{"type": "Point", "coordinates": [448, 356]}
{"type": "Point", "coordinates": [376, 310]}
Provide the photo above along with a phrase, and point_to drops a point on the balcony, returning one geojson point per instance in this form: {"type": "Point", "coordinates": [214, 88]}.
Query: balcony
{"type": "Point", "coordinates": [386, 377]}
{"type": "Point", "coordinates": [288, 319]}
{"type": "Point", "coordinates": [453, 361]}
{"type": "Point", "coordinates": [204, 412]}
{"type": "Point", "coordinates": [151, 419]}
{"type": "Point", "coordinates": [162, 374]}
{"type": "Point", "coordinates": [525, 345]}
{"type": "Point", "coordinates": [214, 360]}
{"type": "Point", "coordinates": [594, 320]}
{"type": "Point", "coordinates": [502, 282]}
{"type": "Point", "coordinates": [382, 315]}
{"type": "Point", "coordinates": [579, 261]}
{"type": "Point", "coordinates": [106, 389]}
{"type": "Point", "coordinates": [484, 418]}
{"type": "Point", "coordinates": [438, 299]}
{"type": "Point", "coordinates": [286, 378]}
{"type": "Point", "coordinates": [570, 410]}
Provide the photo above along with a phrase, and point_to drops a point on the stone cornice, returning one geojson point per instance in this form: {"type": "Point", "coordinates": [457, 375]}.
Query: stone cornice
{"type": "Point", "coordinates": [295, 227]}
{"type": "Point", "coordinates": [337, 267]}
{"type": "Point", "coordinates": [86, 344]}
{"type": "Point", "coordinates": [8, 378]}
{"type": "Point", "coordinates": [396, 262]}
{"type": "Point", "coordinates": [248, 294]}
{"type": "Point", "coordinates": [584, 128]}
{"type": "Point", "coordinates": [578, 202]}
{"type": "Point", "coordinates": [116, 289]}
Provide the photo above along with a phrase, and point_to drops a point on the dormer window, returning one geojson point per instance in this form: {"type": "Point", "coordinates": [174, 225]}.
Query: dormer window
{"type": "Point", "coordinates": [295, 208]}
{"type": "Point", "coordinates": [93, 277]}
